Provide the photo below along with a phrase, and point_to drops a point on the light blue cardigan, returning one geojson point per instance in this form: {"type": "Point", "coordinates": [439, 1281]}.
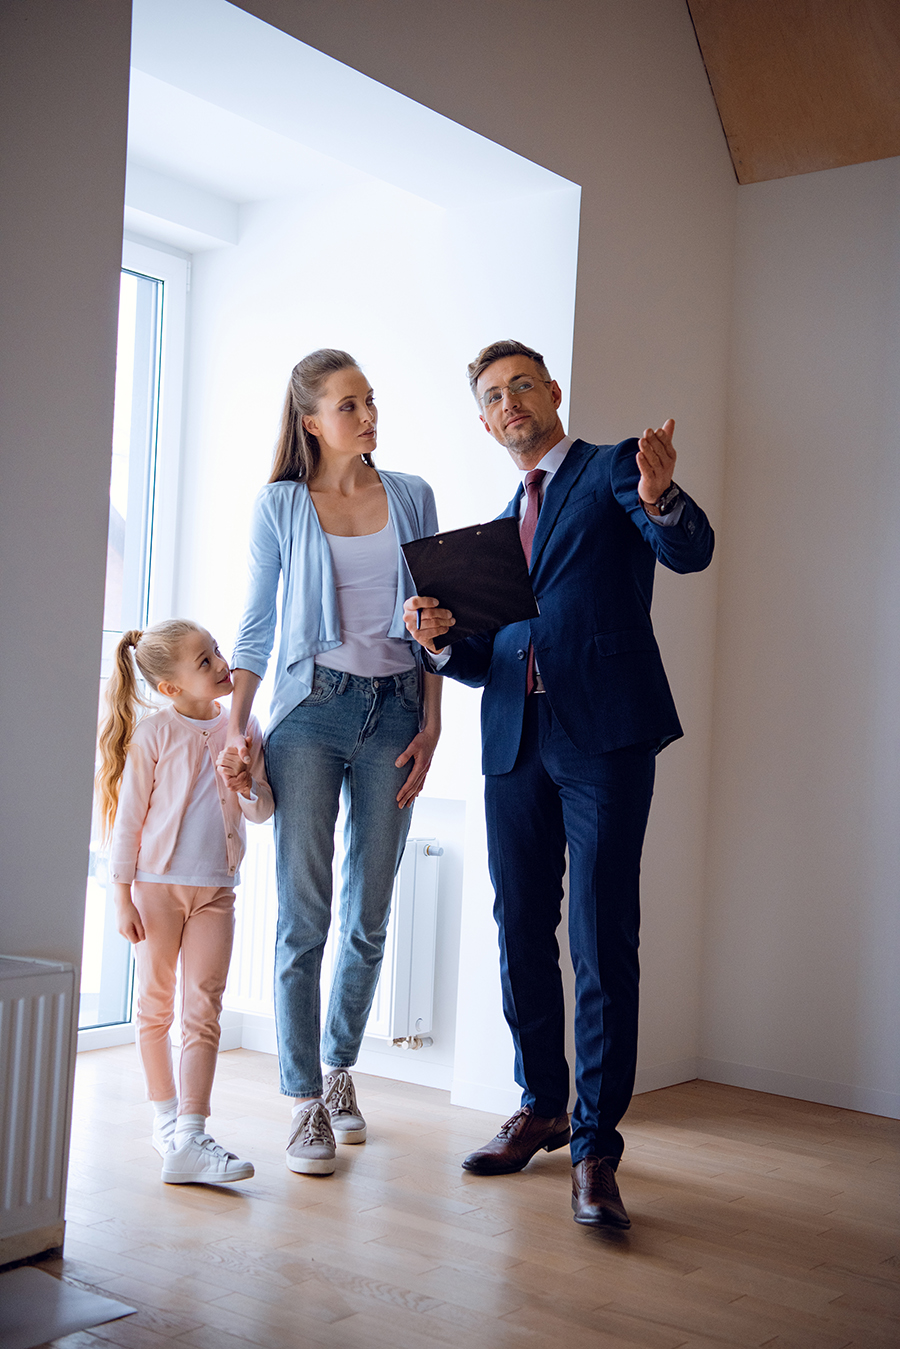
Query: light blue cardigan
{"type": "Point", "coordinates": [287, 540]}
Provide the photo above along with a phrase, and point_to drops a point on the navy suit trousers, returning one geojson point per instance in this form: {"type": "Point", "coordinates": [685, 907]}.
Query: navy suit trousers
{"type": "Point", "coordinates": [597, 805]}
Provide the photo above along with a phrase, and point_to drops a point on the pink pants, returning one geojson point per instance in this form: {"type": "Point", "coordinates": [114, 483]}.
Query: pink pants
{"type": "Point", "coordinates": [197, 923]}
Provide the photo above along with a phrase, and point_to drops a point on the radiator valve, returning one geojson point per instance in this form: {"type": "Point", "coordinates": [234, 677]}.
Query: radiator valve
{"type": "Point", "coordinates": [412, 1042]}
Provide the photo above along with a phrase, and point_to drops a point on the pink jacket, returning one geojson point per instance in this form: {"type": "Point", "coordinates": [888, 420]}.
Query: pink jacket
{"type": "Point", "coordinates": [163, 761]}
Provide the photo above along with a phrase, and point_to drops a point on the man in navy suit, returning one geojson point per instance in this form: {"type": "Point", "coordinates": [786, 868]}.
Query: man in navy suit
{"type": "Point", "coordinates": [575, 708]}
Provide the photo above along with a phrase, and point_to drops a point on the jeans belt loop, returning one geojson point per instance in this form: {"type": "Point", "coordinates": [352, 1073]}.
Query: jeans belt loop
{"type": "Point", "coordinates": [345, 680]}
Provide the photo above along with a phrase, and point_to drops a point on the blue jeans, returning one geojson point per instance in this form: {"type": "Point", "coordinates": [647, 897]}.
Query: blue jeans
{"type": "Point", "coordinates": [343, 738]}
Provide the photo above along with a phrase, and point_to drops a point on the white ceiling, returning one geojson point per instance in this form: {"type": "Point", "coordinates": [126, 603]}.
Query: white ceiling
{"type": "Point", "coordinates": [222, 100]}
{"type": "Point", "coordinates": [176, 133]}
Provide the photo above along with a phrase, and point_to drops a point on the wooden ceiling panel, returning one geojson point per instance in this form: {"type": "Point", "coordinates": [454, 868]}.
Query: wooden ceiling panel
{"type": "Point", "coordinates": [802, 85]}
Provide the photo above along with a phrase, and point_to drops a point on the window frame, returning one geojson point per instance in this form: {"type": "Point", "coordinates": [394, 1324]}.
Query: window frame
{"type": "Point", "coordinates": [161, 523]}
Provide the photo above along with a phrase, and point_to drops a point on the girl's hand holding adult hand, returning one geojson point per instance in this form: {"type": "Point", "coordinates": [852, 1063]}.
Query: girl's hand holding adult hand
{"type": "Point", "coordinates": [421, 751]}
{"type": "Point", "coordinates": [233, 765]}
{"type": "Point", "coordinates": [128, 920]}
{"type": "Point", "coordinates": [233, 769]}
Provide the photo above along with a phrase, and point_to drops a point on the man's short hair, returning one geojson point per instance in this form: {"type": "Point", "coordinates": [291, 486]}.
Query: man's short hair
{"type": "Point", "coordinates": [495, 352]}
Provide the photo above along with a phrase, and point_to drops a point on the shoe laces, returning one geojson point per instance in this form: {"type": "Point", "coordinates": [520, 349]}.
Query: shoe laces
{"type": "Point", "coordinates": [341, 1096]}
{"type": "Point", "coordinates": [596, 1173]}
{"type": "Point", "coordinates": [314, 1126]}
{"type": "Point", "coordinates": [514, 1122]}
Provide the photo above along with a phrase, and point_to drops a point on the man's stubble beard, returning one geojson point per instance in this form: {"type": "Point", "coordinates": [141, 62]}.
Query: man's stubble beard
{"type": "Point", "coordinates": [527, 443]}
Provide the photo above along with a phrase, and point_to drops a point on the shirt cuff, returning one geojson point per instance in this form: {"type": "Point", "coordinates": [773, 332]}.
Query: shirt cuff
{"type": "Point", "coordinates": [437, 662]}
{"type": "Point", "coordinates": [671, 519]}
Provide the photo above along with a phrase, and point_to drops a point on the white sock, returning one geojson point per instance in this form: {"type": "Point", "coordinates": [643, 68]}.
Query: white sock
{"type": "Point", "coordinates": [188, 1126]}
{"type": "Point", "coordinates": [301, 1105]}
{"type": "Point", "coordinates": [161, 1109]}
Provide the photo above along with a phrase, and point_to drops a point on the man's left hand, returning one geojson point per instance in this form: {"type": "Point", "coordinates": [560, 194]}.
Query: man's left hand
{"type": "Point", "coordinates": [656, 461]}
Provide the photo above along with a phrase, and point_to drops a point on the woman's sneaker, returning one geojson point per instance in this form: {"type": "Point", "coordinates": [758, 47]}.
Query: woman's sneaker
{"type": "Point", "coordinates": [340, 1102]}
{"type": "Point", "coordinates": [310, 1149]}
{"type": "Point", "coordinates": [201, 1161]}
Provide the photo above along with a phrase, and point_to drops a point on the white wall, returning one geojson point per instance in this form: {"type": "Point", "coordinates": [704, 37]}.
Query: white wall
{"type": "Point", "coordinates": [64, 90]}
{"type": "Point", "coordinates": [801, 977]}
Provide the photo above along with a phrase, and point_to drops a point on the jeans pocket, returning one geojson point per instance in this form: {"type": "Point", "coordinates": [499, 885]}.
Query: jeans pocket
{"type": "Point", "coordinates": [408, 691]}
{"type": "Point", "coordinates": [325, 683]}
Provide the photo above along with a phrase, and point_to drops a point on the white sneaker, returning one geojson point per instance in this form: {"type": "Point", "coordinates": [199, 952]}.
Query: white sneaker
{"type": "Point", "coordinates": [340, 1102]}
{"type": "Point", "coordinates": [201, 1161]}
{"type": "Point", "coordinates": [310, 1149]}
{"type": "Point", "coordinates": [163, 1134]}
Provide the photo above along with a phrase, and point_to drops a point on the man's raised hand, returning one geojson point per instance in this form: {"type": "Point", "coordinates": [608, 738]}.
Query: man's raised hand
{"type": "Point", "coordinates": [656, 461]}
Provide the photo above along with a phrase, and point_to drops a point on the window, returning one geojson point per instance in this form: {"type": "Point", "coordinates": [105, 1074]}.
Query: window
{"type": "Point", "coordinates": [139, 562]}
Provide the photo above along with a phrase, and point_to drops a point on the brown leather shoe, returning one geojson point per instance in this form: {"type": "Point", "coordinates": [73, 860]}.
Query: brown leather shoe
{"type": "Point", "coordinates": [513, 1147]}
{"type": "Point", "coordinates": [595, 1194]}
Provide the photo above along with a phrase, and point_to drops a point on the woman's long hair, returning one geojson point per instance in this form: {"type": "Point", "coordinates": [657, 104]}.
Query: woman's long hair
{"type": "Point", "coordinates": [156, 653]}
{"type": "Point", "coordinates": [297, 451]}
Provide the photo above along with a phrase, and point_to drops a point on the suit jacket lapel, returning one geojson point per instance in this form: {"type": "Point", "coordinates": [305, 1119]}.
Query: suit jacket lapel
{"type": "Point", "coordinates": [557, 494]}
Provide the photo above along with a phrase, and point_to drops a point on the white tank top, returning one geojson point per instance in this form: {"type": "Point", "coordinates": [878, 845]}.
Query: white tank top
{"type": "Point", "coordinates": [365, 574]}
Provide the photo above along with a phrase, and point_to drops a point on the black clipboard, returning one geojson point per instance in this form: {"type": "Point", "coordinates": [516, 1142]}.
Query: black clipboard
{"type": "Point", "coordinates": [478, 573]}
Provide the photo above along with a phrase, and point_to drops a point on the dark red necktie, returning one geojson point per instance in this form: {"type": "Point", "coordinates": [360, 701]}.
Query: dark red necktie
{"type": "Point", "coordinates": [533, 482]}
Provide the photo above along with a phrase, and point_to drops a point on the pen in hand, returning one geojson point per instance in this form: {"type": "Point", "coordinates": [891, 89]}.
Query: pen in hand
{"type": "Point", "coordinates": [418, 619]}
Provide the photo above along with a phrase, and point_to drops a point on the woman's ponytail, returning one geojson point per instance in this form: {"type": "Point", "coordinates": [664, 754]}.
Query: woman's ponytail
{"type": "Point", "coordinates": [123, 699]}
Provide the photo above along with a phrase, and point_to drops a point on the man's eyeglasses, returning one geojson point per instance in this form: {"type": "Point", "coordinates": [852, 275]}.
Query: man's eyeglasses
{"type": "Point", "coordinates": [494, 396]}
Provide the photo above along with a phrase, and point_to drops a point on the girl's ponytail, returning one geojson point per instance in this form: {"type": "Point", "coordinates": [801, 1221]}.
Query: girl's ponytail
{"type": "Point", "coordinates": [123, 699]}
{"type": "Point", "coordinates": [155, 654]}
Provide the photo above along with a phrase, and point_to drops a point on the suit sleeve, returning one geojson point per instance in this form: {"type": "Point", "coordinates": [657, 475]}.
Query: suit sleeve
{"type": "Point", "coordinates": [685, 547]}
{"type": "Point", "coordinates": [470, 660]}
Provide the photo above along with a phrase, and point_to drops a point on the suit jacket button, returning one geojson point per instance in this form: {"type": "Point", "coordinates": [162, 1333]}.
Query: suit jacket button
{"type": "Point", "coordinates": [520, 655]}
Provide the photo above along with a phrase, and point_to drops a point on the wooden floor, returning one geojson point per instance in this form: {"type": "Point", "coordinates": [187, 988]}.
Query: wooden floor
{"type": "Point", "coordinates": [756, 1221]}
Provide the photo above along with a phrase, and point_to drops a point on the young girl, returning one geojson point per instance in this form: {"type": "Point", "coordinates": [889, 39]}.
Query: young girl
{"type": "Point", "coordinates": [178, 836]}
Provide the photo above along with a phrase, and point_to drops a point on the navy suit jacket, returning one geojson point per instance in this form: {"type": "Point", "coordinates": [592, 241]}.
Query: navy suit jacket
{"type": "Point", "coordinates": [593, 558]}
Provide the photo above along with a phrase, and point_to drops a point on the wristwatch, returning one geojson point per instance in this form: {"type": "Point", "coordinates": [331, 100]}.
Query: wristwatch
{"type": "Point", "coordinates": [665, 504]}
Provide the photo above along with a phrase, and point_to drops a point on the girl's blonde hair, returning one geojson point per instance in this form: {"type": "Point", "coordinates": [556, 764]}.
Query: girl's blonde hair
{"type": "Point", "coordinates": [156, 653]}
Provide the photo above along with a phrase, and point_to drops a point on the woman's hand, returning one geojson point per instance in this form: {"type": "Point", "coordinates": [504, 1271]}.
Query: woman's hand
{"type": "Point", "coordinates": [128, 920]}
{"type": "Point", "coordinates": [245, 685]}
{"type": "Point", "coordinates": [421, 751]}
{"type": "Point", "coordinates": [233, 765]}
{"type": "Point", "coordinates": [233, 768]}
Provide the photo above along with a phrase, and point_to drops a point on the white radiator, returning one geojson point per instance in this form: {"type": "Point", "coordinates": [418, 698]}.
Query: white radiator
{"type": "Point", "coordinates": [37, 1016]}
{"type": "Point", "coordinates": [404, 997]}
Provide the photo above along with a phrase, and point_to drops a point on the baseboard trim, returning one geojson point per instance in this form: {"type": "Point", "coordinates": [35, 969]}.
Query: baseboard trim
{"type": "Point", "coordinates": [492, 1100]}
{"type": "Point", "coordinates": [665, 1075]}
{"type": "Point", "coordinates": [867, 1100]}
{"type": "Point", "coordinates": [258, 1032]}
{"type": "Point", "coordinates": [403, 1065]}
{"type": "Point", "coordinates": [106, 1037]}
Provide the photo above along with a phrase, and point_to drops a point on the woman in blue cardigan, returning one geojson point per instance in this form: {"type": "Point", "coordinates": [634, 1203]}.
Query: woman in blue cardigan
{"type": "Point", "coordinates": [353, 712]}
